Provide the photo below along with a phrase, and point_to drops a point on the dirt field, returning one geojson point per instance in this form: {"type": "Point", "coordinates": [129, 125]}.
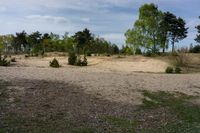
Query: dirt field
{"type": "Point", "coordinates": [108, 86]}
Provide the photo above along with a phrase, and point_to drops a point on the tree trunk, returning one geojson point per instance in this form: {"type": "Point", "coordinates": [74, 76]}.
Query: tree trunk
{"type": "Point", "coordinates": [163, 50]}
{"type": "Point", "coordinates": [173, 49]}
{"type": "Point", "coordinates": [154, 48]}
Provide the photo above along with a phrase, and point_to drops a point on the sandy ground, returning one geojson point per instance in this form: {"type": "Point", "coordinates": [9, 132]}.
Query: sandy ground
{"type": "Point", "coordinates": [109, 78]}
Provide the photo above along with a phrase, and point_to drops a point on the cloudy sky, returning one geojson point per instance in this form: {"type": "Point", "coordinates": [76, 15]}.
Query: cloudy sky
{"type": "Point", "coordinates": [106, 18]}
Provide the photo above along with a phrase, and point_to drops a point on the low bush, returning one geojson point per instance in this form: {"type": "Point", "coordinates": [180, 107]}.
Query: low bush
{"type": "Point", "coordinates": [195, 49]}
{"type": "Point", "coordinates": [72, 59]}
{"type": "Point", "coordinates": [149, 53]}
{"type": "Point", "coordinates": [54, 63]}
{"type": "Point", "coordinates": [4, 61]}
{"type": "Point", "coordinates": [89, 54]}
{"type": "Point", "coordinates": [81, 62]}
{"type": "Point", "coordinates": [178, 69]}
{"type": "Point", "coordinates": [169, 70]}
{"type": "Point", "coordinates": [138, 51]}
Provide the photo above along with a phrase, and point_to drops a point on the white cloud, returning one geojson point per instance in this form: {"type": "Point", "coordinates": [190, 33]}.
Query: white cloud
{"type": "Point", "coordinates": [109, 18]}
{"type": "Point", "coordinates": [117, 38]}
{"type": "Point", "coordinates": [3, 9]}
{"type": "Point", "coordinates": [48, 18]}
{"type": "Point", "coordinates": [86, 20]}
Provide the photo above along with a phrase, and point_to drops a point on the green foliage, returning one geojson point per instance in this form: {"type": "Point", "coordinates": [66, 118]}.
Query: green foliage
{"type": "Point", "coordinates": [195, 49]}
{"type": "Point", "coordinates": [177, 69]}
{"type": "Point", "coordinates": [154, 30]}
{"type": "Point", "coordinates": [138, 51]}
{"type": "Point", "coordinates": [186, 113]}
{"type": "Point", "coordinates": [19, 41]}
{"type": "Point", "coordinates": [197, 39]}
{"type": "Point", "coordinates": [72, 58]}
{"type": "Point", "coordinates": [34, 40]}
{"type": "Point", "coordinates": [169, 70]}
{"type": "Point", "coordinates": [83, 130]}
{"type": "Point", "coordinates": [149, 53]}
{"type": "Point", "coordinates": [121, 124]}
{"type": "Point", "coordinates": [54, 63]}
{"type": "Point", "coordinates": [1, 46]}
{"type": "Point", "coordinates": [81, 62]}
{"type": "Point", "coordinates": [37, 43]}
{"type": "Point", "coordinates": [89, 53]}
{"type": "Point", "coordinates": [83, 40]}
{"type": "Point", "coordinates": [175, 27]}
{"type": "Point", "coordinates": [126, 50]}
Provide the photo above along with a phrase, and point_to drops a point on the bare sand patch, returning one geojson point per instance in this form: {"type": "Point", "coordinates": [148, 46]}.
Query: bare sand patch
{"type": "Point", "coordinates": [107, 78]}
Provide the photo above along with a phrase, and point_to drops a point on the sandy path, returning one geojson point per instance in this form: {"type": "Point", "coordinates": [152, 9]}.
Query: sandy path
{"type": "Point", "coordinates": [111, 85]}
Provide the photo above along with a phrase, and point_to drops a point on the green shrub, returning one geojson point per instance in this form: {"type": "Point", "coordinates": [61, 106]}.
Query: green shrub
{"type": "Point", "coordinates": [72, 59]}
{"type": "Point", "coordinates": [4, 61]}
{"type": "Point", "coordinates": [54, 63]}
{"type": "Point", "coordinates": [195, 49]}
{"type": "Point", "coordinates": [169, 70]}
{"type": "Point", "coordinates": [89, 54]}
{"type": "Point", "coordinates": [178, 70]}
{"type": "Point", "coordinates": [149, 53]}
{"type": "Point", "coordinates": [138, 51]}
{"type": "Point", "coordinates": [81, 62]}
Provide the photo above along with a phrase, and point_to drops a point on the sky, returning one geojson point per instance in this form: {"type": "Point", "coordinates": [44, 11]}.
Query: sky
{"type": "Point", "coordinates": [105, 18]}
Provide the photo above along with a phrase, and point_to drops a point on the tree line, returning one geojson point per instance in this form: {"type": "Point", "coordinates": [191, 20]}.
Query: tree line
{"type": "Point", "coordinates": [154, 31]}
{"type": "Point", "coordinates": [38, 43]}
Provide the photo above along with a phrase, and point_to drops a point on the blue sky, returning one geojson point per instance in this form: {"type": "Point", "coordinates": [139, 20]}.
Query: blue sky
{"type": "Point", "coordinates": [106, 18]}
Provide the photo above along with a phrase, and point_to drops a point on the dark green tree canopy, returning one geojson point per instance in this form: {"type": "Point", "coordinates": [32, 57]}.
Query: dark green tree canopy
{"type": "Point", "coordinates": [37, 43]}
{"type": "Point", "coordinates": [197, 39]}
{"type": "Point", "coordinates": [175, 27]}
{"type": "Point", "coordinates": [20, 40]}
{"type": "Point", "coordinates": [83, 38]}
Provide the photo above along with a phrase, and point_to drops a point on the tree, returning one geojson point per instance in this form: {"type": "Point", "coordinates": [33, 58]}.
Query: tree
{"type": "Point", "coordinates": [34, 41]}
{"type": "Point", "coordinates": [198, 35]}
{"type": "Point", "coordinates": [7, 41]}
{"type": "Point", "coordinates": [176, 28]}
{"type": "Point", "coordinates": [163, 32]}
{"type": "Point", "coordinates": [46, 41]}
{"type": "Point", "coordinates": [155, 29]}
{"type": "Point", "coordinates": [115, 49]}
{"type": "Point", "coordinates": [68, 42]}
{"type": "Point", "coordinates": [148, 25]}
{"type": "Point", "coordinates": [20, 41]}
{"type": "Point", "coordinates": [83, 40]}
{"type": "Point", "coordinates": [195, 49]}
{"type": "Point", "coordinates": [134, 39]}
{"type": "Point", "coordinates": [1, 46]}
